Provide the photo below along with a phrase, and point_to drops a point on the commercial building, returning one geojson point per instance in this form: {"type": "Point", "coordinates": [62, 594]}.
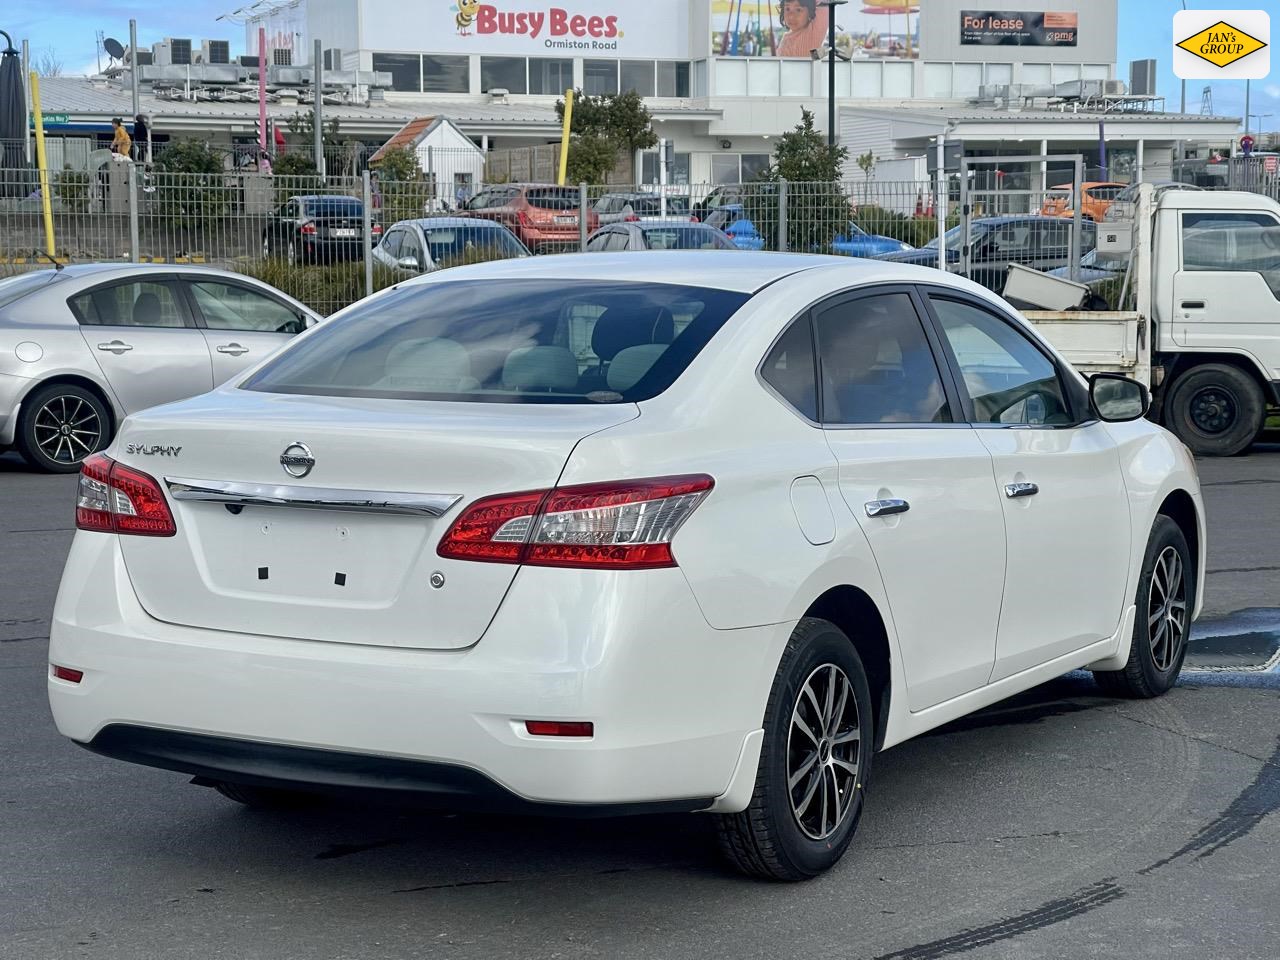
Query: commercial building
{"type": "Point", "coordinates": [722, 77]}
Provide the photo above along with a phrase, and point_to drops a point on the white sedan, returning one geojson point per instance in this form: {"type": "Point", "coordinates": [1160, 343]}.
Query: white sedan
{"type": "Point", "coordinates": [623, 533]}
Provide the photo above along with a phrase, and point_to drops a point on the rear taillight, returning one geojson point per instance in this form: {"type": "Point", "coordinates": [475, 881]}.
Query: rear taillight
{"type": "Point", "coordinates": [627, 525]}
{"type": "Point", "coordinates": [524, 219]}
{"type": "Point", "coordinates": [308, 228]}
{"type": "Point", "coordinates": [631, 218]}
{"type": "Point", "coordinates": [376, 228]}
{"type": "Point", "coordinates": [114, 498]}
{"type": "Point", "coordinates": [693, 218]}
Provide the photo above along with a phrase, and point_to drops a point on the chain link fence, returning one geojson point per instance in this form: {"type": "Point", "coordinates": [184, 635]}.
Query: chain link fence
{"type": "Point", "coordinates": [322, 240]}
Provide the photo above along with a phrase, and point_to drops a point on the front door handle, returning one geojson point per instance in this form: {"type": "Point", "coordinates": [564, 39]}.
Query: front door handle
{"type": "Point", "coordinates": [1193, 304]}
{"type": "Point", "coordinates": [233, 348]}
{"type": "Point", "coordinates": [1015, 490]}
{"type": "Point", "coordinates": [886, 508]}
{"type": "Point", "coordinates": [115, 346]}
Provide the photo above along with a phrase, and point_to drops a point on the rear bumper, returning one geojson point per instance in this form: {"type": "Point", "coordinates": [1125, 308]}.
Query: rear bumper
{"type": "Point", "coordinates": [673, 701]}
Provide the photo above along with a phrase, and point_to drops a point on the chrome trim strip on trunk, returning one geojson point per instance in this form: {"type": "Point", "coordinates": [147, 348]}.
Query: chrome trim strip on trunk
{"type": "Point", "coordinates": [314, 498]}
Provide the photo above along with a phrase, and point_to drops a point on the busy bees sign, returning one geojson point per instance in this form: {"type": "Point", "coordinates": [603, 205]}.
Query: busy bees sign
{"type": "Point", "coordinates": [1221, 44]}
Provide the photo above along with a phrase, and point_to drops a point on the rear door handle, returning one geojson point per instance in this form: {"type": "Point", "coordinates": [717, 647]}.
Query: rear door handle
{"type": "Point", "coordinates": [233, 348]}
{"type": "Point", "coordinates": [1015, 490]}
{"type": "Point", "coordinates": [1193, 304]}
{"type": "Point", "coordinates": [886, 508]}
{"type": "Point", "coordinates": [115, 346]}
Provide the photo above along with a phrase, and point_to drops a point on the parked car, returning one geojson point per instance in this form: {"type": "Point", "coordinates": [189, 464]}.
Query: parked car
{"type": "Point", "coordinates": [856, 242]}
{"type": "Point", "coordinates": [659, 236]}
{"type": "Point", "coordinates": [1098, 196]}
{"type": "Point", "coordinates": [733, 220]}
{"type": "Point", "coordinates": [543, 217]}
{"type": "Point", "coordinates": [1034, 241]}
{"type": "Point", "coordinates": [421, 246]}
{"type": "Point", "coordinates": [85, 346]}
{"type": "Point", "coordinates": [317, 229]}
{"type": "Point", "coordinates": [638, 207]}
{"type": "Point", "coordinates": [1123, 205]}
{"type": "Point", "coordinates": [614, 534]}
{"type": "Point", "coordinates": [1092, 270]}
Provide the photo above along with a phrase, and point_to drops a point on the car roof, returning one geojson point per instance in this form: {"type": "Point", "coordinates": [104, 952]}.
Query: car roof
{"type": "Point", "coordinates": [475, 223]}
{"type": "Point", "coordinates": [1018, 218]}
{"type": "Point", "coordinates": [740, 271]}
{"type": "Point", "coordinates": [324, 196]}
{"type": "Point", "coordinates": [128, 269]}
{"type": "Point", "coordinates": [1217, 199]}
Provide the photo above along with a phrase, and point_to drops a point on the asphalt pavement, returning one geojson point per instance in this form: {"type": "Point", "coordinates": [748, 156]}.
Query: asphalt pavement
{"type": "Point", "coordinates": [1059, 824]}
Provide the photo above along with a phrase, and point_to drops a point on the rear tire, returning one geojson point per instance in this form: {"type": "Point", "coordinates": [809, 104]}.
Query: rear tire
{"type": "Point", "coordinates": [1166, 597]}
{"type": "Point", "coordinates": [809, 786]}
{"type": "Point", "coordinates": [265, 798]}
{"type": "Point", "coordinates": [1216, 409]}
{"type": "Point", "coordinates": [60, 425]}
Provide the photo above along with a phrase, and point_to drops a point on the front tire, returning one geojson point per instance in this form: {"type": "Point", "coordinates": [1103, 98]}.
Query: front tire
{"type": "Point", "coordinates": [1217, 410]}
{"type": "Point", "coordinates": [60, 425]}
{"type": "Point", "coordinates": [1166, 597]}
{"type": "Point", "coordinates": [814, 762]}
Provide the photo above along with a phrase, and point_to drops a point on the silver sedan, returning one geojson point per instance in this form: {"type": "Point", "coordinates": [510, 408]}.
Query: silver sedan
{"type": "Point", "coordinates": [83, 347]}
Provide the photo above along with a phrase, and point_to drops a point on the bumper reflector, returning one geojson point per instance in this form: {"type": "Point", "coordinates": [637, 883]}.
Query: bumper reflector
{"type": "Point", "coordinates": [556, 728]}
{"type": "Point", "coordinates": [66, 673]}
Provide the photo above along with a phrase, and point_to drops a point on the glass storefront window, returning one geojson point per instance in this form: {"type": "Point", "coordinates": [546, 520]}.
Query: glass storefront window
{"type": "Point", "coordinates": [673, 79]}
{"type": "Point", "coordinates": [600, 77]}
{"type": "Point", "coordinates": [503, 73]}
{"type": "Point", "coordinates": [550, 77]}
{"type": "Point", "coordinates": [638, 75]}
{"type": "Point", "coordinates": [405, 70]}
{"type": "Point", "coordinates": [446, 74]}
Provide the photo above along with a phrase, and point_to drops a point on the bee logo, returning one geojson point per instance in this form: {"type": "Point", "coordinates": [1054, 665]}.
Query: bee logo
{"type": "Point", "coordinates": [466, 17]}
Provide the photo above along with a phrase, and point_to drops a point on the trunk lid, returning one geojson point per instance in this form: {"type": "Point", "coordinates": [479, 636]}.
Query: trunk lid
{"type": "Point", "coordinates": [325, 574]}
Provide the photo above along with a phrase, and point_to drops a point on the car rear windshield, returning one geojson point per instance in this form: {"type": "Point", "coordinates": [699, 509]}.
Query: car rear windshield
{"type": "Point", "coordinates": [552, 198]}
{"type": "Point", "coordinates": [334, 207]}
{"type": "Point", "coordinates": [515, 341]}
{"type": "Point", "coordinates": [691, 237]}
{"type": "Point", "coordinates": [13, 289]}
{"type": "Point", "coordinates": [451, 246]}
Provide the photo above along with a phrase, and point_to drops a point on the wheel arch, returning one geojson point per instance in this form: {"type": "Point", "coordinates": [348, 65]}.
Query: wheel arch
{"type": "Point", "coordinates": [75, 380]}
{"type": "Point", "coordinates": [1179, 506]}
{"type": "Point", "coordinates": [1183, 363]}
{"type": "Point", "coordinates": [856, 614]}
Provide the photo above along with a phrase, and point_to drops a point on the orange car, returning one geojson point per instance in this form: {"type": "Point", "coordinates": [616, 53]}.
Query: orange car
{"type": "Point", "coordinates": [1097, 197]}
{"type": "Point", "coordinates": [543, 216]}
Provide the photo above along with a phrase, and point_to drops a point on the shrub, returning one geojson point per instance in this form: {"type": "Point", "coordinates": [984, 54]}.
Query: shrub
{"type": "Point", "coordinates": [72, 188]}
{"type": "Point", "coordinates": [323, 288]}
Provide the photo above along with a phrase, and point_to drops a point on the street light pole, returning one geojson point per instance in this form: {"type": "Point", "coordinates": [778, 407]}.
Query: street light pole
{"type": "Point", "coordinates": [831, 67]}
{"type": "Point", "coordinates": [1184, 82]}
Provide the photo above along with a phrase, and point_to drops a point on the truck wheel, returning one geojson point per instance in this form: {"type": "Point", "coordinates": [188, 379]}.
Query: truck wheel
{"type": "Point", "coordinates": [1215, 409]}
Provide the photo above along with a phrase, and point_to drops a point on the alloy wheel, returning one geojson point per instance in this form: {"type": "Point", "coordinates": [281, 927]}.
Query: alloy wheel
{"type": "Point", "coordinates": [1167, 609]}
{"type": "Point", "coordinates": [67, 429]}
{"type": "Point", "coordinates": [824, 752]}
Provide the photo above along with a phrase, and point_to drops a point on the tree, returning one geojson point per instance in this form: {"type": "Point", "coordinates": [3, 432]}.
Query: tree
{"type": "Point", "coordinates": [818, 209]}
{"type": "Point", "coordinates": [868, 163]}
{"type": "Point", "coordinates": [193, 189]}
{"type": "Point", "coordinates": [48, 64]}
{"type": "Point", "coordinates": [405, 191]}
{"type": "Point", "coordinates": [603, 129]}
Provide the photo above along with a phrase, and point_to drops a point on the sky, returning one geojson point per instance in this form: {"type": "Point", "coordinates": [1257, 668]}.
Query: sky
{"type": "Point", "coordinates": [66, 29]}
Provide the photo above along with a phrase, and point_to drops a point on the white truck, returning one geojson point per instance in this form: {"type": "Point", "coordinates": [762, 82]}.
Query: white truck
{"type": "Point", "coordinates": [1204, 334]}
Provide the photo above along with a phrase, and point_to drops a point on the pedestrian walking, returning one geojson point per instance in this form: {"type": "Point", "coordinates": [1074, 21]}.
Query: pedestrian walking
{"type": "Point", "coordinates": [141, 140]}
{"type": "Point", "coordinates": [121, 142]}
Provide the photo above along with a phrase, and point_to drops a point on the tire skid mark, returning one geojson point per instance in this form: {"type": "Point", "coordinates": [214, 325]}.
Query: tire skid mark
{"type": "Point", "coordinates": [1082, 901]}
{"type": "Point", "coordinates": [1245, 812]}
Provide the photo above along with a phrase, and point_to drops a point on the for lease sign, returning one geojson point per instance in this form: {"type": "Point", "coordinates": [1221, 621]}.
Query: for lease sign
{"type": "Point", "coordinates": [1006, 28]}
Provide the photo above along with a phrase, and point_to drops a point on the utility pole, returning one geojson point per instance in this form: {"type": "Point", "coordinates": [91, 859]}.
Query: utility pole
{"type": "Point", "coordinates": [831, 67]}
{"type": "Point", "coordinates": [318, 77]}
{"type": "Point", "coordinates": [133, 74]}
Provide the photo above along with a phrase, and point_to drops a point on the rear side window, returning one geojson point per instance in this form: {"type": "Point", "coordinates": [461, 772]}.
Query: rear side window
{"type": "Point", "coordinates": [334, 207]}
{"type": "Point", "coordinates": [684, 238]}
{"type": "Point", "coordinates": [13, 289]}
{"type": "Point", "coordinates": [790, 369]}
{"type": "Point", "coordinates": [152, 303]}
{"type": "Point", "coordinates": [552, 198]}
{"type": "Point", "coordinates": [519, 341]}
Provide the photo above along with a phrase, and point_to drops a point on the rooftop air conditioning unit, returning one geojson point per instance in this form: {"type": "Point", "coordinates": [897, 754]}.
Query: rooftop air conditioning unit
{"type": "Point", "coordinates": [1116, 88]}
{"type": "Point", "coordinates": [248, 61]}
{"type": "Point", "coordinates": [499, 95]}
{"type": "Point", "coordinates": [1142, 78]}
{"type": "Point", "coordinates": [144, 58]}
{"type": "Point", "coordinates": [216, 51]}
{"type": "Point", "coordinates": [333, 59]}
{"type": "Point", "coordinates": [162, 54]}
{"type": "Point", "coordinates": [180, 51]}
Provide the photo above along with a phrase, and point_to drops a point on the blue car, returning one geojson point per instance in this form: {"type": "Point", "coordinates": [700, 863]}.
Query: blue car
{"type": "Point", "coordinates": [856, 242]}
{"type": "Point", "coordinates": [733, 220]}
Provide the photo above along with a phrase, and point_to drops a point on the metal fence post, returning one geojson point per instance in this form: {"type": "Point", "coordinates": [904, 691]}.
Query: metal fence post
{"type": "Point", "coordinates": [783, 240]}
{"type": "Point", "coordinates": [582, 217]}
{"type": "Point", "coordinates": [1077, 229]}
{"type": "Point", "coordinates": [367, 202]}
{"type": "Point", "coordinates": [134, 255]}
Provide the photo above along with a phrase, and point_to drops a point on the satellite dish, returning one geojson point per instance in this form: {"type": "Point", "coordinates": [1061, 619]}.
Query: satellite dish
{"type": "Point", "coordinates": [113, 47]}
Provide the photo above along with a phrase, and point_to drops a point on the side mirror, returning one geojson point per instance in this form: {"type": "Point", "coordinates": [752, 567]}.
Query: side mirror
{"type": "Point", "coordinates": [1118, 399]}
{"type": "Point", "coordinates": [409, 263]}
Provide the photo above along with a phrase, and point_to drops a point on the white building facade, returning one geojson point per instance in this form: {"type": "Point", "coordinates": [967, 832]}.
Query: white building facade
{"type": "Point", "coordinates": [722, 77]}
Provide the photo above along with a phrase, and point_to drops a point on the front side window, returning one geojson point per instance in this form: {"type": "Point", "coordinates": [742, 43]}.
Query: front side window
{"type": "Point", "coordinates": [876, 364]}
{"type": "Point", "coordinates": [1239, 242]}
{"type": "Point", "coordinates": [411, 249]}
{"type": "Point", "coordinates": [230, 306]}
{"type": "Point", "coordinates": [153, 303]}
{"type": "Point", "coordinates": [520, 341]}
{"type": "Point", "coordinates": [391, 244]}
{"type": "Point", "coordinates": [1007, 378]}
{"type": "Point", "coordinates": [791, 371]}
